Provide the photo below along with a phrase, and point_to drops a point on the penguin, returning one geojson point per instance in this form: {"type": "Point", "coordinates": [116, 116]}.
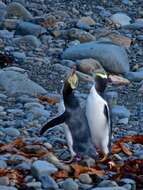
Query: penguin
{"type": "Point", "coordinates": [98, 115]}
{"type": "Point", "coordinates": [68, 135]}
{"type": "Point", "coordinates": [75, 122]}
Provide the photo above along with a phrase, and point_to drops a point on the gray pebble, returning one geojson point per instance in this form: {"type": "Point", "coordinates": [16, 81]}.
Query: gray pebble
{"type": "Point", "coordinates": [40, 168]}
{"type": "Point", "coordinates": [70, 184]}
{"type": "Point", "coordinates": [13, 132]}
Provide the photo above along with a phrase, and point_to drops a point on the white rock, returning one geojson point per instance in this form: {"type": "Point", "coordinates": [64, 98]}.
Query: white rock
{"type": "Point", "coordinates": [121, 18]}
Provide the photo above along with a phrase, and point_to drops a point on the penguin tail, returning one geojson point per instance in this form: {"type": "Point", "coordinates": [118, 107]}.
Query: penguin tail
{"type": "Point", "coordinates": [56, 121]}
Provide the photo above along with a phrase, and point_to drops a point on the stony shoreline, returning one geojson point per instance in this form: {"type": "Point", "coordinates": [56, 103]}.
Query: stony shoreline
{"type": "Point", "coordinates": [46, 38]}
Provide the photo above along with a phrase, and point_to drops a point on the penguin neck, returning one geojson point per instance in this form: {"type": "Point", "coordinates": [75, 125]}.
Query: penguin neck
{"type": "Point", "coordinates": [69, 97]}
{"type": "Point", "coordinates": [99, 92]}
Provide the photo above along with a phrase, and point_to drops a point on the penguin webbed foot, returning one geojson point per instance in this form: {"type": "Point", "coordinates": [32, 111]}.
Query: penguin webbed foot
{"type": "Point", "coordinates": [105, 157]}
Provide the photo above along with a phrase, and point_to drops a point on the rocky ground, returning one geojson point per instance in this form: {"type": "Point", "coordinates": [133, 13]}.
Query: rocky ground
{"type": "Point", "coordinates": [46, 38]}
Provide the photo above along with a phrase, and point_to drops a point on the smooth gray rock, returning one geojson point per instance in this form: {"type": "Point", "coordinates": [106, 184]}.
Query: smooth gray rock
{"type": "Point", "coordinates": [7, 188]}
{"type": "Point", "coordinates": [108, 183]}
{"type": "Point", "coordinates": [28, 28]}
{"type": "Point", "coordinates": [16, 111]}
{"type": "Point", "coordinates": [28, 40]}
{"type": "Point", "coordinates": [3, 164]}
{"type": "Point", "coordinates": [31, 105]}
{"type": "Point", "coordinates": [23, 166]}
{"type": "Point", "coordinates": [135, 76]}
{"type": "Point", "coordinates": [128, 181]}
{"type": "Point", "coordinates": [19, 55]}
{"type": "Point", "coordinates": [5, 34]}
{"type": "Point", "coordinates": [10, 24]}
{"type": "Point", "coordinates": [48, 182]}
{"type": "Point", "coordinates": [70, 184]}
{"type": "Point", "coordinates": [81, 35]}
{"type": "Point", "coordinates": [1, 108]}
{"type": "Point", "coordinates": [41, 168]}
{"type": "Point", "coordinates": [2, 11]}
{"type": "Point", "coordinates": [18, 10]}
{"type": "Point", "coordinates": [135, 26]}
{"type": "Point", "coordinates": [112, 57]}
{"type": "Point", "coordinates": [140, 37]}
{"type": "Point", "coordinates": [124, 121]}
{"type": "Point", "coordinates": [16, 69]}
{"type": "Point", "coordinates": [16, 83]}
{"type": "Point", "coordinates": [34, 185]}
{"type": "Point", "coordinates": [10, 131]}
{"type": "Point", "coordinates": [109, 188]}
{"type": "Point", "coordinates": [38, 112]}
{"type": "Point", "coordinates": [120, 112]}
{"type": "Point", "coordinates": [85, 178]}
{"type": "Point", "coordinates": [3, 96]}
{"type": "Point", "coordinates": [128, 187]}
{"type": "Point", "coordinates": [4, 180]}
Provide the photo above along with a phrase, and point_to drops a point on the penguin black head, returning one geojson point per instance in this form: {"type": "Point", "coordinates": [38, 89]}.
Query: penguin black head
{"type": "Point", "coordinates": [101, 80]}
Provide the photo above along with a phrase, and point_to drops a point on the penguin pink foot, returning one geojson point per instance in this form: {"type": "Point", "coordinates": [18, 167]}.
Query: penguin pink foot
{"type": "Point", "coordinates": [105, 157]}
{"type": "Point", "coordinates": [76, 158]}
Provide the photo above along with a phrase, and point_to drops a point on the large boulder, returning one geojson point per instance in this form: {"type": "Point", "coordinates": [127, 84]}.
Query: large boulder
{"type": "Point", "coordinates": [28, 28]}
{"type": "Point", "coordinates": [90, 66]}
{"type": "Point", "coordinates": [15, 82]}
{"type": "Point", "coordinates": [112, 57]}
{"type": "Point", "coordinates": [18, 10]}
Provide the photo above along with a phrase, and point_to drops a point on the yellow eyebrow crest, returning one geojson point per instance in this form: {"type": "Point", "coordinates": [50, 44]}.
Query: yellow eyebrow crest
{"type": "Point", "coordinates": [102, 75]}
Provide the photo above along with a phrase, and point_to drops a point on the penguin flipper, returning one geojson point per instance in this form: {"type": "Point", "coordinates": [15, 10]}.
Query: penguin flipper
{"type": "Point", "coordinates": [109, 121]}
{"type": "Point", "coordinates": [56, 121]}
{"type": "Point", "coordinates": [106, 112]}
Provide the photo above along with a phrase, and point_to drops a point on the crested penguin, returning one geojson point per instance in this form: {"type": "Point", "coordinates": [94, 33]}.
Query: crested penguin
{"type": "Point", "coordinates": [75, 122]}
{"type": "Point", "coordinates": [98, 115]}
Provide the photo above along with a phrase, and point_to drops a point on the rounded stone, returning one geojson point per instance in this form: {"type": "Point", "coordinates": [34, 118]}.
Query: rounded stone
{"type": "Point", "coordinates": [85, 178]}
{"type": "Point", "coordinates": [70, 184]}
{"type": "Point", "coordinates": [10, 131]}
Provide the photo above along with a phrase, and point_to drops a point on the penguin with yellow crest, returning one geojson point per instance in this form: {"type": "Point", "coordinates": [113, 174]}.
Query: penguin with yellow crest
{"type": "Point", "coordinates": [75, 122]}
{"type": "Point", "coordinates": [98, 115]}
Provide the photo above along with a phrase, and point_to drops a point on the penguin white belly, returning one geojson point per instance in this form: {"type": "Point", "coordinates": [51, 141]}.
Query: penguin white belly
{"type": "Point", "coordinates": [97, 120]}
{"type": "Point", "coordinates": [68, 135]}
